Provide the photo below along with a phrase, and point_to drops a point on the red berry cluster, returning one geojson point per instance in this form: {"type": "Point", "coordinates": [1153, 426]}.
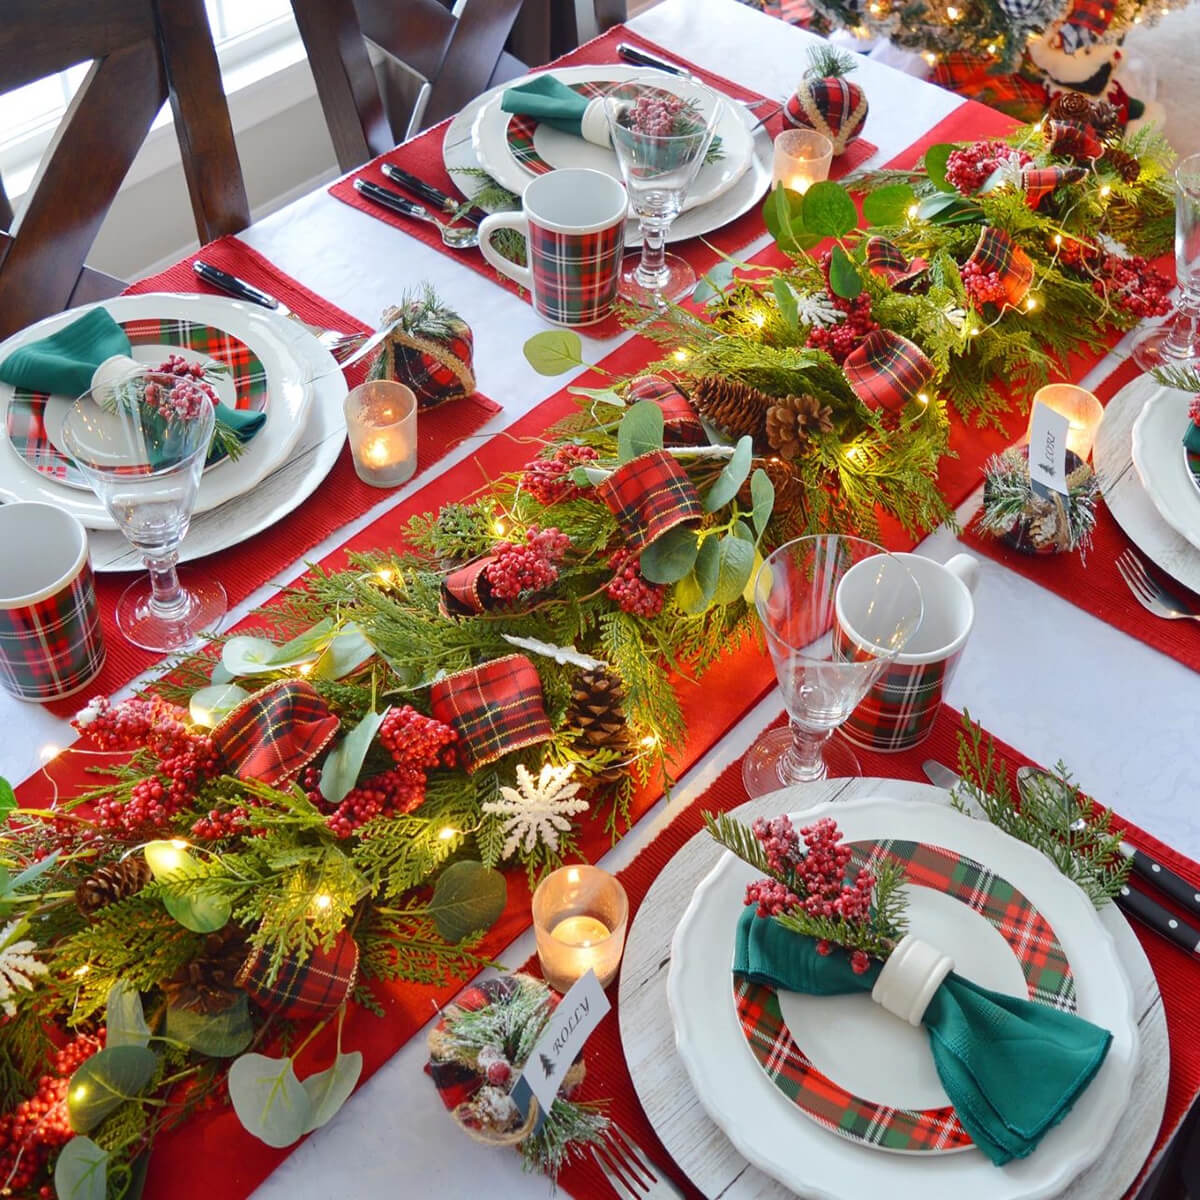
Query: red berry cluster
{"type": "Point", "coordinates": [548, 480]}
{"type": "Point", "coordinates": [397, 791]}
{"type": "Point", "coordinates": [632, 591]}
{"type": "Point", "coordinates": [771, 896]}
{"type": "Point", "coordinates": [220, 824]}
{"type": "Point", "coordinates": [1072, 252]}
{"type": "Point", "coordinates": [151, 722]}
{"type": "Point", "coordinates": [415, 740]}
{"type": "Point", "coordinates": [183, 393]}
{"type": "Point", "coordinates": [528, 568]}
{"type": "Point", "coordinates": [969, 167]}
{"type": "Point", "coordinates": [984, 287]}
{"type": "Point", "coordinates": [38, 1125]}
{"type": "Point", "coordinates": [839, 340]}
{"type": "Point", "coordinates": [1194, 410]}
{"type": "Point", "coordinates": [1134, 285]}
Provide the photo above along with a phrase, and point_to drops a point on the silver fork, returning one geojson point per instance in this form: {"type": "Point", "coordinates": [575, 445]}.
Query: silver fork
{"type": "Point", "coordinates": [1150, 594]}
{"type": "Point", "coordinates": [629, 1172]}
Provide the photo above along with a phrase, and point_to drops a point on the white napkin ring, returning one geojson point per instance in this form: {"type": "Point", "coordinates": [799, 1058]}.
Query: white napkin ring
{"type": "Point", "coordinates": [593, 125]}
{"type": "Point", "coordinates": [910, 976]}
{"type": "Point", "coordinates": [115, 370]}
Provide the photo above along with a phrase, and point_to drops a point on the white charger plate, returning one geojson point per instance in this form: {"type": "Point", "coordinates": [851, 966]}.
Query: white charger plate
{"type": "Point", "coordinates": [1158, 455]}
{"type": "Point", "coordinates": [768, 1130]}
{"type": "Point", "coordinates": [458, 155]}
{"type": "Point", "coordinates": [288, 382]}
{"type": "Point", "coordinates": [489, 136]}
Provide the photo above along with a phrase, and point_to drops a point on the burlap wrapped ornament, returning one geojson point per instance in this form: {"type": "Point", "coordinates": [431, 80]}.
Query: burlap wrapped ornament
{"type": "Point", "coordinates": [826, 101]}
{"type": "Point", "coordinates": [430, 350]}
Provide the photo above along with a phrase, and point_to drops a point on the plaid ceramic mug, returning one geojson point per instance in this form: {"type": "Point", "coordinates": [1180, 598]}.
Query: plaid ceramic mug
{"type": "Point", "coordinates": [573, 221]}
{"type": "Point", "coordinates": [902, 705]}
{"type": "Point", "coordinates": [49, 621]}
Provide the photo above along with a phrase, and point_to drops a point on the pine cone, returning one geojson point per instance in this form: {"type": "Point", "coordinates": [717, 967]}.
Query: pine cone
{"type": "Point", "coordinates": [793, 420]}
{"type": "Point", "coordinates": [1071, 106]}
{"type": "Point", "coordinates": [1106, 120]}
{"type": "Point", "coordinates": [733, 407]}
{"type": "Point", "coordinates": [112, 883]}
{"type": "Point", "coordinates": [597, 711]}
{"type": "Point", "coordinates": [208, 984]}
{"type": "Point", "coordinates": [789, 491]}
{"type": "Point", "coordinates": [1125, 164]}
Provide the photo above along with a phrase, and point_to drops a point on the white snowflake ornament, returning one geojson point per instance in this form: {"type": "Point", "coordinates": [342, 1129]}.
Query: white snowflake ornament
{"type": "Point", "coordinates": [537, 809]}
{"type": "Point", "coordinates": [18, 967]}
{"type": "Point", "coordinates": [818, 310]}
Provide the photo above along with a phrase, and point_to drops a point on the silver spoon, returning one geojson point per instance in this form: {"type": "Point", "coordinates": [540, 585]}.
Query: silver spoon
{"type": "Point", "coordinates": [462, 237]}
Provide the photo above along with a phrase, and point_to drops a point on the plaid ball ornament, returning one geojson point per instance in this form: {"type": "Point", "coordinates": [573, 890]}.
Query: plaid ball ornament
{"type": "Point", "coordinates": [826, 101]}
{"type": "Point", "coordinates": [314, 987]}
{"type": "Point", "coordinates": [430, 350]}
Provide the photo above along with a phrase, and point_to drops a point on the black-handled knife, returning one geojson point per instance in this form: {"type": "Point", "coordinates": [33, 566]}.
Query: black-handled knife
{"type": "Point", "coordinates": [641, 58]}
{"type": "Point", "coordinates": [232, 285]}
{"type": "Point", "coordinates": [388, 199]}
{"type": "Point", "coordinates": [427, 191]}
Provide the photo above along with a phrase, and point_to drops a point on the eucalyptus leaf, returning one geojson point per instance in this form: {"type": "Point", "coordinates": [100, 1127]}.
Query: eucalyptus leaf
{"type": "Point", "coordinates": [219, 1035]}
{"type": "Point", "coordinates": [670, 557]}
{"type": "Point", "coordinates": [844, 278]}
{"type": "Point", "coordinates": [81, 1172]}
{"type": "Point", "coordinates": [269, 1100]}
{"type": "Point", "coordinates": [340, 772]}
{"type": "Point", "coordinates": [936, 158]}
{"type": "Point", "coordinates": [828, 210]}
{"type": "Point", "coordinates": [105, 1081]}
{"type": "Point", "coordinates": [580, 477]}
{"type": "Point", "coordinates": [347, 651]}
{"type": "Point", "coordinates": [640, 431]}
{"type": "Point", "coordinates": [949, 209]}
{"type": "Point", "coordinates": [600, 395]}
{"type": "Point", "coordinates": [8, 798]}
{"type": "Point", "coordinates": [888, 205]}
{"type": "Point", "coordinates": [202, 913]}
{"type": "Point", "coordinates": [554, 351]}
{"type": "Point", "coordinates": [328, 1090]}
{"type": "Point", "coordinates": [786, 299]}
{"type": "Point", "coordinates": [694, 592]}
{"type": "Point", "coordinates": [735, 566]}
{"type": "Point", "coordinates": [733, 475]}
{"type": "Point", "coordinates": [467, 897]}
{"type": "Point", "coordinates": [713, 282]}
{"type": "Point", "coordinates": [219, 674]}
{"type": "Point", "coordinates": [762, 494]}
{"type": "Point", "coordinates": [246, 655]}
{"type": "Point", "coordinates": [33, 872]}
{"type": "Point", "coordinates": [210, 705]}
{"type": "Point", "coordinates": [749, 589]}
{"type": "Point", "coordinates": [124, 1019]}
{"type": "Point", "coordinates": [783, 215]}
{"type": "Point", "coordinates": [304, 646]}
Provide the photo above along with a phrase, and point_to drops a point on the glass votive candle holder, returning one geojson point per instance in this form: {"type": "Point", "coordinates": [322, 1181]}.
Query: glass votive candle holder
{"type": "Point", "coordinates": [802, 158]}
{"type": "Point", "coordinates": [579, 918]}
{"type": "Point", "coordinates": [1082, 410]}
{"type": "Point", "coordinates": [381, 420]}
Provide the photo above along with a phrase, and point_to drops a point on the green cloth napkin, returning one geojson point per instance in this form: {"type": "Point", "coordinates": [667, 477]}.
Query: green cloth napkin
{"type": "Point", "coordinates": [63, 363]}
{"type": "Point", "coordinates": [545, 98]}
{"type": "Point", "coordinates": [1011, 1068]}
{"type": "Point", "coordinates": [1191, 439]}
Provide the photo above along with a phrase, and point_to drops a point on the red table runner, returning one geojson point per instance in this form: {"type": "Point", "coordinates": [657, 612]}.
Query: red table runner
{"type": "Point", "coordinates": [422, 156]}
{"type": "Point", "coordinates": [338, 499]}
{"type": "Point", "coordinates": [608, 1077]}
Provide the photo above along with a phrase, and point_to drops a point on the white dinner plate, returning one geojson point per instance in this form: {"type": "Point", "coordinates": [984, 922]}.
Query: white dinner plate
{"type": "Point", "coordinates": [1161, 464]}
{"type": "Point", "coordinates": [489, 136]}
{"type": "Point", "coordinates": [458, 155]}
{"type": "Point", "coordinates": [272, 338]}
{"type": "Point", "coordinates": [773, 1135]}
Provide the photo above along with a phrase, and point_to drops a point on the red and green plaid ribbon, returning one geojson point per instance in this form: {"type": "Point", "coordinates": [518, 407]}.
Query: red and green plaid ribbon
{"type": "Point", "coordinates": [274, 734]}
{"type": "Point", "coordinates": [649, 495]}
{"type": "Point", "coordinates": [1040, 182]}
{"type": "Point", "coordinates": [996, 251]}
{"type": "Point", "coordinates": [682, 424]}
{"type": "Point", "coordinates": [466, 591]}
{"type": "Point", "coordinates": [887, 370]}
{"type": "Point", "coordinates": [303, 988]}
{"type": "Point", "coordinates": [884, 257]}
{"type": "Point", "coordinates": [495, 708]}
{"type": "Point", "coordinates": [1074, 139]}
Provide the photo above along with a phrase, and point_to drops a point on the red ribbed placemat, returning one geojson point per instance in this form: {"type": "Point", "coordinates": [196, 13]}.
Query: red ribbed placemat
{"type": "Point", "coordinates": [1094, 583]}
{"type": "Point", "coordinates": [423, 157]}
{"type": "Point", "coordinates": [608, 1076]}
{"type": "Point", "coordinates": [338, 499]}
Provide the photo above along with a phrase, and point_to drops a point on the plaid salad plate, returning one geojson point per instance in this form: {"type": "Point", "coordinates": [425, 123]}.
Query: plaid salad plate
{"type": "Point", "coordinates": [25, 417]}
{"type": "Point", "coordinates": [1033, 942]}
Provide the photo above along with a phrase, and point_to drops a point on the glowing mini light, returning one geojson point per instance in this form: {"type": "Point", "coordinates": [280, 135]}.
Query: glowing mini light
{"type": "Point", "coordinates": [974, 331]}
{"type": "Point", "coordinates": [80, 972]}
{"type": "Point", "coordinates": [953, 13]}
{"type": "Point", "coordinates": [166, 858]}
{"type": "Point", "coordinates": [322, 900]}
{"type": "Point", "coordinates": [649, 740]}
{"type": "Point", "coordinates": [760, 319]}
{"type": "Point", "coordinates": [48, 752]}
{"type": "Point", "coordinates": [923, 398]}
{"type": "Point", "coordinates": [1058, 239]}
{"type": "Point", "coordinates": [680, 355]}
{"type": "Point", "coordinates": [1106, 191]}
{"type": "Point", "coordinates": [498, 528]}
{"type": "Point", "coordinates": [385, 575]}
{"type": "Point", "coordinates": [913, 211]}
{"type": "Point", "coordinates": [447, 833]}
{"type": "Point", "coordinates": [992, 48]}
{"type": "Point", "coordinates": [80, 1094]}
{"type": "Point", "coordinates": [929, 57]}
{"type": "Point", "coordinates": [1030, 303]}
{"type": "Point", "coordinates": [305, 668]}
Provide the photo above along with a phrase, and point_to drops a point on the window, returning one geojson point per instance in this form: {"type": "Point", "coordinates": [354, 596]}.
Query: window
{"type": "Point", "coordinates": [251, 36]}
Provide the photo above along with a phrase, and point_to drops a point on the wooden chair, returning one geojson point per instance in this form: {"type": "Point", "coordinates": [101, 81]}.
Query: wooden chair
{"type": "Point", "coordinates": [490, 42]}
{"type": "Point", "coordinates": [143, 52]}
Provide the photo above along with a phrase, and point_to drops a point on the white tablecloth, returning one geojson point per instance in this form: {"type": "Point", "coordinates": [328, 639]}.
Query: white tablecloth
{"type": "Point", "coordinates": [1038, 672]}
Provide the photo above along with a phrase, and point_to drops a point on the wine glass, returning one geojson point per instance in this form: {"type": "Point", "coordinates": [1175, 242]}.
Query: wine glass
{"type": "Point", "coordinates": [1177, 341]}
{"type": "Point", "coordinates": [835, 610]}
{"type": "Point", "coordinates": [141, 443]}
{"type": "Point", "coordinates": [661, 140]}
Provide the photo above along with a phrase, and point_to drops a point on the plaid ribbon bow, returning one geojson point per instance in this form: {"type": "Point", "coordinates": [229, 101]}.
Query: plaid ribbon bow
{"type": "Point", "coordinates": [682, 425]}
{"type": "Point", "coordinates": [272, 735]}
{"type": "Point", "coordinates": [885, 258]}
{"type": "Point", "coordinates": [1086, 23]}
{"type": "Point", "coordinates": [1074, 139]}
{"type": "Point", "coordinates": [649, 495]}
{"type": "Point", "coordinates": [495, 708]}
{"type": "Point", "coordinates": [1040, 182]}
{"type": "Point", "coordinates": [312, 987]}
{"type": "Point", "coordinates": [466, 591]}
{"type": "Point", "coordinates": [887, 370]}
{"type": "Point", "coordinates": [996, 251]}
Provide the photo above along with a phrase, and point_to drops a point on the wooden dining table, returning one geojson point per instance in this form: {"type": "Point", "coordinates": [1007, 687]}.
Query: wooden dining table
{"type": "Point", "coordinates": [1038, 672]}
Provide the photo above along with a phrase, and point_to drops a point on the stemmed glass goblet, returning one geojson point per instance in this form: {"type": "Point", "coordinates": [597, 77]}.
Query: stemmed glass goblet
{"type": "Point", "coordinates": [661, 140]}
{"type": "Point", "coordinates": [835, 611]}
{"type": "Point", "coordinates": [142, 443]}
{"type": "Point", "coordinates": [1176, 343]}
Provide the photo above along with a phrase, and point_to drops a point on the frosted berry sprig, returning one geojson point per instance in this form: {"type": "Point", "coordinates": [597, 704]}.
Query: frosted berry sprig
{"type": "Point", "coordinates": [969, 167]}
{"type": "Point", "coordinates": [632, 591]}
{"type": "Point", "coordinates": [662, 115]}
{"type": "Point", "coordinates": [415, 740]}
{"type": "Point", "coordinates": [1132, 284]}
{"type": "Point", "coordinates": [548, 480]}
{"type": "Point", "coordinates": [984, 287]}
{"type": "Point", "coordinates": [531, 567]}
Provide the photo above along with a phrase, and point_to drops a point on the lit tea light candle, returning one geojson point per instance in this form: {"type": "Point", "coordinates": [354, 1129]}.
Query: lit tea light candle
{"type": "Point", "coordinates": [802, 158]}
{"type": "Point", "coordinates": [381, 420]}
{"type": "Point", "coordinates": [579, 919]}
{"type": "Point", "coordinates": [1082, 410]}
